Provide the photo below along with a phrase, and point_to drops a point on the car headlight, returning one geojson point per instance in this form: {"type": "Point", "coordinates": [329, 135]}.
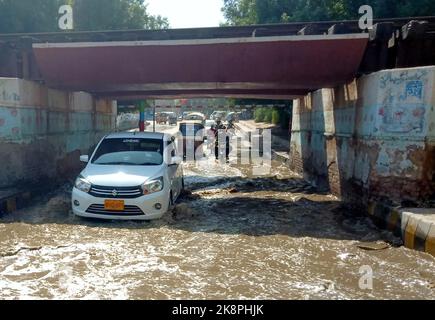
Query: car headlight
{"type": "Point", "coordinates": [152, 186]}
{"type": "Point", "coordinates": [82, 184]}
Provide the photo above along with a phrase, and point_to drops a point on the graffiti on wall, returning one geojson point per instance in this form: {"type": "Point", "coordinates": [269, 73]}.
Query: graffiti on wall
{"type": "Point", "coordinates": [8, 94]}
{"type": "Point", "coordinates": [403, 102]}
{"type": "Point", "coordinates": [9, 123]}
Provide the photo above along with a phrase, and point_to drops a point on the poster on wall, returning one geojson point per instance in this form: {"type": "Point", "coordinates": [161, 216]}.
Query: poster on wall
{"type": "Point", "coordinates": [403, 102]}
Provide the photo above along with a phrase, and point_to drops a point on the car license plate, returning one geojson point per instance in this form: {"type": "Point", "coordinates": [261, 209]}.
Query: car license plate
{"type": "Point", "coordinates": [114, 205]}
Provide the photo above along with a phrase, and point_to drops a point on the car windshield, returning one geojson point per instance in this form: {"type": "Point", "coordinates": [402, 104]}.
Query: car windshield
{"type": "Point", "coordinates": [129, 151]}
{"type": "Point", "coordinates": [194, 117]}
{"type": "Point", "coordinates": [190, 129]}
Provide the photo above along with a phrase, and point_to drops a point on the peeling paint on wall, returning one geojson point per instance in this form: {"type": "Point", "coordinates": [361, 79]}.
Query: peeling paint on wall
{"type": "Point", "coordinates": [9, 93]}
{"type": "Point", "coordinates": [42, 137]}
{"type": "Point", "coordinates": [382, 143]}
{"type": "Point", "coordinates": [404, 97]}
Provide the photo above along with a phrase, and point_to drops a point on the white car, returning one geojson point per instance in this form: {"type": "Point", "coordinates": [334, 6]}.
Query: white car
{"type": "Point", "coordinates": [195, 116]}
{"type": "Point", "coordinates": [130, 176]}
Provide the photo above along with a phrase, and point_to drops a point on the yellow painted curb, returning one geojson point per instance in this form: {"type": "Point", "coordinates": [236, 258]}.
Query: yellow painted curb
{"type": "Point", "coordinates": [416, 233]}
{"type": "Point", "coordinates": [410, 231]}
{"type": "Point", "coordinates": [430, 246]}
{"type": "Point", "coordinates": [430, 242]}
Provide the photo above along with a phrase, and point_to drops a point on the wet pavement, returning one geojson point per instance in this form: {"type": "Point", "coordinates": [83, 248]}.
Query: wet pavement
{"type": "Point", "coordinates": [231, 236]}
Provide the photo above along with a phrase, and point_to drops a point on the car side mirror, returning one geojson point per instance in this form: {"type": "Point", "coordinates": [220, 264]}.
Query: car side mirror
{"type": "Point", "coordinates": [176, 161]}
{"type": "Point", "coordinates": [84, 158]}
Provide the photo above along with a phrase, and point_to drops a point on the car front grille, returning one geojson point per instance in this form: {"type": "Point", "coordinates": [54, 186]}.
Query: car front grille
{"type": "Point", "coordinates": [116, 192]}
{"type": "Point", "coordinates": [128, 211]}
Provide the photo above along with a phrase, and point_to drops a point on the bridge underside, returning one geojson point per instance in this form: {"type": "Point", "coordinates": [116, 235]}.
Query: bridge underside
{"type": "Point", "coordinates": [277, 67]}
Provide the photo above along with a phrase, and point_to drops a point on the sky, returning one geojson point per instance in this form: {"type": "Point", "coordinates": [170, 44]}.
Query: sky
{"type": "Point", "coordinates": [188, 13]}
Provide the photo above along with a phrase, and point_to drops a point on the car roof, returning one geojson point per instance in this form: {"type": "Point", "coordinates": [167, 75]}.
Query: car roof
{"type": "Point", "coordinates": [196, 113]}
{"type": "Point", "coordinates": [191, 122]}
{"type": "Point", "coordinates": [143, 135]}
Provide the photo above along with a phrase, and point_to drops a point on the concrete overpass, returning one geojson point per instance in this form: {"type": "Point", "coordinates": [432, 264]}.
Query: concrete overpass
{"type": "Point", "coordinates": [43, 72]}
{"type": "Point", "coordinates": [277, 66]}
{"type": "Point", "coordinates": [281, 61]}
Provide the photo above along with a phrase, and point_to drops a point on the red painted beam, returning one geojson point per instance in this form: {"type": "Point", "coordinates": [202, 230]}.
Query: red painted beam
{"type": "Point", "coordinates": [295, 63]}
{"type": "Point", "coordinates": [176, 94]}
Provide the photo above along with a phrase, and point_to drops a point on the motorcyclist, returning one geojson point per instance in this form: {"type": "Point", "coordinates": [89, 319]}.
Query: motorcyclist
{"type": "Point", "coordinates": [230, 125]}
{"type": "Point", "coordinates": [219, 126]}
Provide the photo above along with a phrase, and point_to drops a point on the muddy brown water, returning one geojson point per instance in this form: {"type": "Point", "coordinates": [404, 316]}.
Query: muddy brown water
{"type": "Point", "coordinates": [233, 237]}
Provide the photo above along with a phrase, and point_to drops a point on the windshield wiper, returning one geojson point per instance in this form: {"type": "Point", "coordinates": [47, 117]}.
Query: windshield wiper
{"type": "Point", "coordinates": [114, 163]}
{"type": "Point", "coordinates": [127, 164]}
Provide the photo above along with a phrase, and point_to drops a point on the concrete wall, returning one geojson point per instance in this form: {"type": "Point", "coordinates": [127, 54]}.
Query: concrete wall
{"type": "Point", "coordinates": [43, 131]}
{"type": "Point", "coordinates": [373, 138]}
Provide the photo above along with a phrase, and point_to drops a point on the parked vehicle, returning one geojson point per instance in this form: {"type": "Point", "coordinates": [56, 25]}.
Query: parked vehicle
{"type": "Point", "coordinates": [246, 114]}
{"type": "Point", "coordinates": [172, 118]}
{"type": "Point", "coordinates": [193, 137]}
{"type": "Point", "coordinates": [129, 176]}
{"type": "Point", "coordinates": [183, 115]}
{"type": "Point", "coordinates": [218, 115]}
{"type": "Point", "coordinates": [233, 116]}
{"type": "Point", "coordinates": [195, 116]}
{"type": "Point", "coordinates": [161, 118]}
{"type": "Point", "coordinates": [169, 118]}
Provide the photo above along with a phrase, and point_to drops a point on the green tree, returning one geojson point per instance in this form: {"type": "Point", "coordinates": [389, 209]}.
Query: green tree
{"type": "Point", "coordinates": [240, 12]}
{"type": "Point", "coordinates": [243, 12]}
{"type": "Point", "coordinates": [268, 115]}
{"type": "Point", "coordinates": [276, 116]}
{"type": "Point", "coordinates": [259, 114]}
{"type": "Point", "coordinates": [115, 15]}
{"type": "Point", "coordinates": [25, 16]}
{"type": "Point", "coordinates": [18, 16]}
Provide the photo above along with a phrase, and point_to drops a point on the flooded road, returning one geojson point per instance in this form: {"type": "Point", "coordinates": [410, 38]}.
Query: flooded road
{"type": "Point", "coordinates": [231, 236]}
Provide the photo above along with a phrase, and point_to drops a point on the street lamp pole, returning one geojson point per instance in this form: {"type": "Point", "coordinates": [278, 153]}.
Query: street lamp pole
{"type": "Point", "coordinates": [142, 116]}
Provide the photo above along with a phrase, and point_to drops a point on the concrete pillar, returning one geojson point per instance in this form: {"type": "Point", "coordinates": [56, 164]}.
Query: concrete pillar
{"type": "Point", "coordinates": [373, 137]}
{"type": "Point", "coordinates": [43, 131]}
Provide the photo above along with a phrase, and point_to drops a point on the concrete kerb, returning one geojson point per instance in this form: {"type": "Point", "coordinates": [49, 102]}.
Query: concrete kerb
{"type": "Point", "coordinates": [416, 226]}
{"type": "Point", "coordinates": [430, 241]}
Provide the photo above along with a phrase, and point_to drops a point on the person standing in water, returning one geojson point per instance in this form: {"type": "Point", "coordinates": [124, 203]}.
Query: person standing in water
{"type": "Point", "coordinates": [218, 127]}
